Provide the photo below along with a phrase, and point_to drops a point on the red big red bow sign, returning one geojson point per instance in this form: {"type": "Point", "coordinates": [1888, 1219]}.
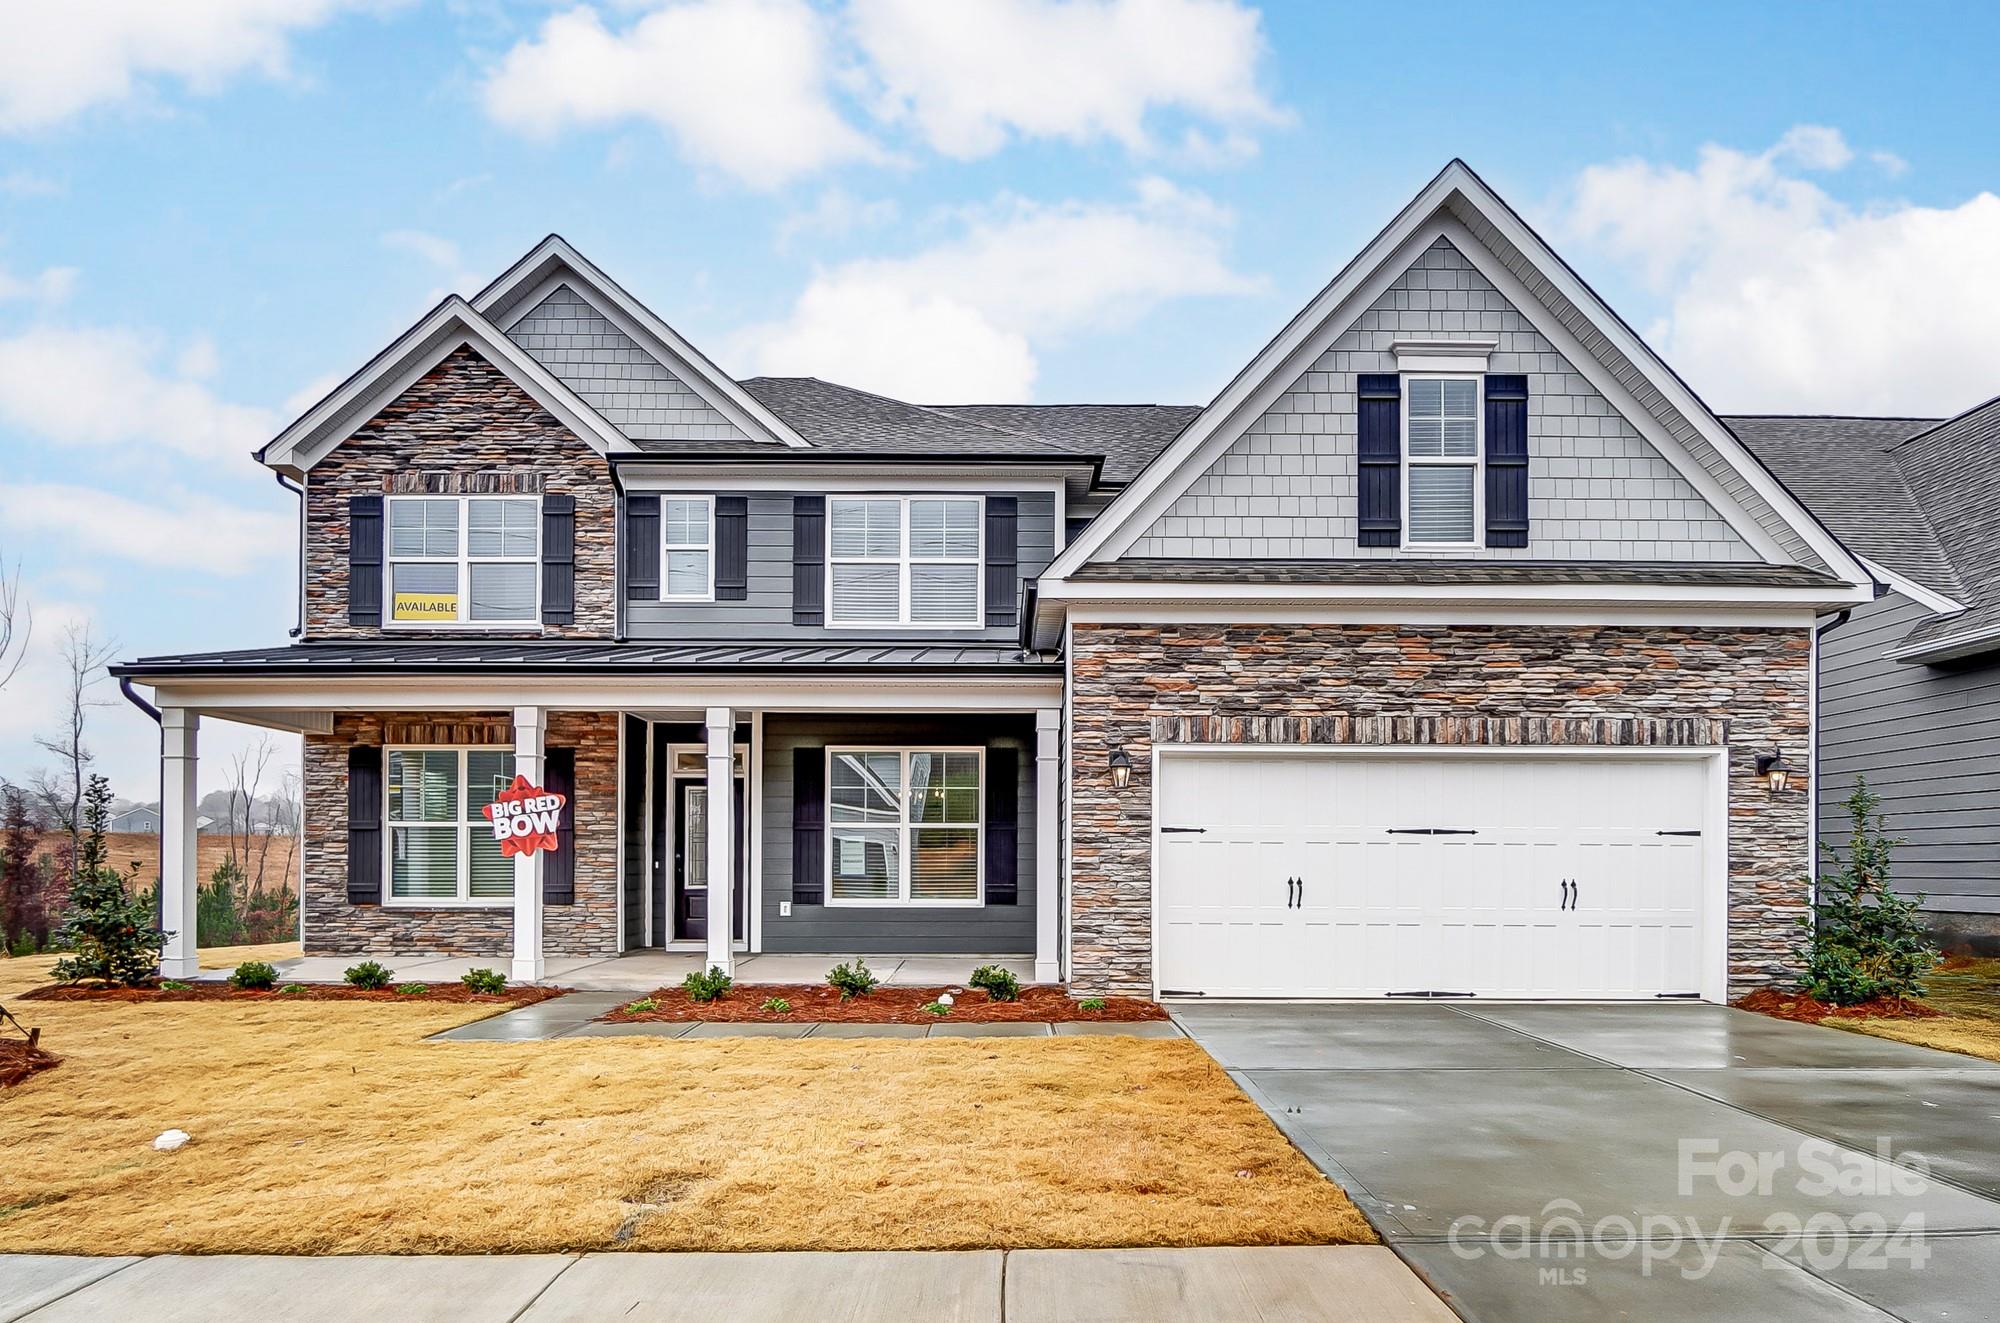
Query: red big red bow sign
{"type": "Point", "coordinates": [524, 818]}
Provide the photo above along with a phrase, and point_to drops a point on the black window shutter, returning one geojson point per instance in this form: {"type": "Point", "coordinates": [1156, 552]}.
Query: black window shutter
{"type": "Point", "coordinates": [559, 868]}
{"type": "Point", "coordinates": [808, 826]}
{"type": "Point", "coordinates": [809, 561]}
{"type": "Point", "coordinates": [1003, 816]}
{"type": "Point", "coordinates": [732, 548]}
{"type": "Point", "coordinates": [1379, 428]}
{"type": "Point", "coordinates": [558, 559]}
{"type": "Point", "coordinates": [1003, 561]}
{"type": "Point", "coordinates": [364, 824]}
{"type": "Point", "coordinates": [642, 548]}
{"type": "Point", "coordinates": [364, 560]}
{"type": "Point", "coordinates": [1507, 461]}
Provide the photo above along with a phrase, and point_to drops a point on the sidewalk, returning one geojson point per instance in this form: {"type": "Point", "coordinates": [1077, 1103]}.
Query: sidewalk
{"type": "Point", "coordinates": [1315, 1284]}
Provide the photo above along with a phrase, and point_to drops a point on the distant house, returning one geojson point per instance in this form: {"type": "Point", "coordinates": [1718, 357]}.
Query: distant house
{"type": "Point", "coordinates": [144, 818]}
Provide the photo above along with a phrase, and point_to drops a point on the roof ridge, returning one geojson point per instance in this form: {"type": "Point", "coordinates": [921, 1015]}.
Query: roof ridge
{"type": "Point", "coordinates": [1847, 417]}
{"type": "Point", "coordinates": [1946, 422]}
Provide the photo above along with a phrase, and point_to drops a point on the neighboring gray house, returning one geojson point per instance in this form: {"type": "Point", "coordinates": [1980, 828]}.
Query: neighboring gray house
{"type": "Point", "coordinates": [1444, 652]}
{"type": "Point", "coordinates": [140, 818]}
{"type": "Point", "coordinates": [1909, 688]}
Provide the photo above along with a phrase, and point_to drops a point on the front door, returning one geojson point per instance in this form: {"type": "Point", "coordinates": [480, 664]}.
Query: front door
{"type": "Point", "coordinates": [690, 860]}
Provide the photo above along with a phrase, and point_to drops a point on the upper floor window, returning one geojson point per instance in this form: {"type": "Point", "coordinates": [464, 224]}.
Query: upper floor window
{"type": "Point", "coordinates": [464, 560]}
{"type": "Point", "coordinates": [904, 560]}
{"type": "Point", "coordinates": [688, 524]}
{"type": "Point", "coordinates": [1441, 461]}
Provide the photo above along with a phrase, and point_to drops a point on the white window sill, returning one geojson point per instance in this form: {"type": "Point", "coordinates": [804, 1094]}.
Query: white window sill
{"type": "Point", "coordinates": [833, 904]}
{"type": "Point", "coordinates": [439, 903]}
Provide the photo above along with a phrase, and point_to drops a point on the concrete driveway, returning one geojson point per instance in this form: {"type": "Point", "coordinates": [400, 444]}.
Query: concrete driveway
{"type": "Point", "coordinates": [1589, 1162]}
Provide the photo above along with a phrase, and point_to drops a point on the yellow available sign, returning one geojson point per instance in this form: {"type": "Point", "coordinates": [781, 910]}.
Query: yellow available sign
{"type": "Point", "coordinates": [425, 606]}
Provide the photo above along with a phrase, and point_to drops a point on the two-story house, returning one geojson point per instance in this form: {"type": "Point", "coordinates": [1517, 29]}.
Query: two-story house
{"type": "Point", "coordinates": [1448, 650]}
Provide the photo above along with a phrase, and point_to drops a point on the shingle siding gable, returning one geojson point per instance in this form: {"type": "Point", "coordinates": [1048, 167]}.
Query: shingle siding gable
{"type": "Point", "coordinates": [1597, 490]}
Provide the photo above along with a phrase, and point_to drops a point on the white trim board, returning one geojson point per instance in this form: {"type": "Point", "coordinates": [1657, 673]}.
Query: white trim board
{"type": "Point", "coordinates": [1910, 588]}
{"type": "Point", "coordinates": [1428, 217]}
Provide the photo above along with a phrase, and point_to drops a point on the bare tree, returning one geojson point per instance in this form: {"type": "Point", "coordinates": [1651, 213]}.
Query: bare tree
{"type": "Point", "coordinates": [17, 624]}
{"type": "Point", "coordinates": [84, 657]}
{"type": "Point", "coordinates": [246, 782]}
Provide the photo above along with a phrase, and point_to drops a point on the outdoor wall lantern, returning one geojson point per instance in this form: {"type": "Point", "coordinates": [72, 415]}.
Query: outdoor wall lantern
{"type": "Point", "coordinates": [1777, 776]}
{"type": "Point", "coordinates": [1121, 769]}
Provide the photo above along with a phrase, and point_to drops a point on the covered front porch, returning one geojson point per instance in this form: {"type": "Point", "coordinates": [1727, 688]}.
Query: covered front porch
{"type": "Point", "coordinates": [910, 820]}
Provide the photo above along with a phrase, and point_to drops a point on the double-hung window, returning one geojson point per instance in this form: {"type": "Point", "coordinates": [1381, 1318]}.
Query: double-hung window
{"type": "Point", "coordinates": [688, 526]}
{"type": "Point", "coordinates": [464, 560]}
{"type": "Point", "coordinates": [904, 560]}
{"type": "Point", "coordinates": [904, 826]}
{"type": "Point", "coordinates": [441, 848]}
{"type": "Point", "coordinates": [1441, 461]}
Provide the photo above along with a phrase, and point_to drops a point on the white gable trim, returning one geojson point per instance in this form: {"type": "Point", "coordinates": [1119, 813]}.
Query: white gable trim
{"type": "Point", "coordinates": [1936, 603]}
{"type": "Point", "coordinates": [1358, 286]}
{"type": "Point", "coordinates": [554, 262]}
{"type": "Point", "coordinates": [452, 325]}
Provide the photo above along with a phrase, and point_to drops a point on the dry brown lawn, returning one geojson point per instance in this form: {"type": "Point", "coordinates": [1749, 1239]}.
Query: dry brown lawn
{"type": "Point", "coordinates": [1968, 992]}
{"type": "Point", "coordinates": [331, 1127]}
{"type": "Point", "coordinates": [229, 957]}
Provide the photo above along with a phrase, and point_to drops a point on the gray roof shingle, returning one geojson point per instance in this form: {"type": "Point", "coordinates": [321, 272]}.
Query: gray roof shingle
{"type": "Point", "coordinates": [1450, 572]}
{"type": "Point", "coordinates": [533, 657]}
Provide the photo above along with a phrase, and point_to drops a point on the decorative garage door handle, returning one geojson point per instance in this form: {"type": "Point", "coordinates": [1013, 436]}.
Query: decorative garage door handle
{"type": "Point", "coordinates": [1432, 831]}
{"type": "Point", "coordinates": [1188, 830]}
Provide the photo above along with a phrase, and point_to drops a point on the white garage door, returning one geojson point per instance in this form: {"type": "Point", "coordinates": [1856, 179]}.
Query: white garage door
{"type": "Point", "coordinates": [1368, 876]}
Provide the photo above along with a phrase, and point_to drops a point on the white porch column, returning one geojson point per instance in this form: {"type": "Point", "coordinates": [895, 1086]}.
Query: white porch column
{"type": "Point", "coordinates": [180, 732]}
{"type": "Point", "coordinates": [721, 839]}
{"type": "Point", "coordinates": [1048, 835]}
{"type": "Point", "coordinates": [527, 967]}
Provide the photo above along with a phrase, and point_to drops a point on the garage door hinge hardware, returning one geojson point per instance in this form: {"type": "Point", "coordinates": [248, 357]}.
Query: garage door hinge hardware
{"type": "Point", "coordinates": [1677, 833]}
{"type": "Point", "coordinates": [1432, 994]}
{"type": "Point", "coordinates": [1678, 996]}
{"type": "Point", "coordinates": [1176, 992]}
{"type": "Point", "coordinates": [1432, 831]}
{"type": "Point", "coordinates": [1196, 831]}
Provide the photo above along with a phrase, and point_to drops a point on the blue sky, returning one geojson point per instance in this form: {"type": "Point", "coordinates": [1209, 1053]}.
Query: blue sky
{"type": "Point", "coordinates": [206, 218]}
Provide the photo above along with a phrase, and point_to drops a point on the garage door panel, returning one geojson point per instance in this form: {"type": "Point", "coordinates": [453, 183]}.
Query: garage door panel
{"type": "Point", "coordinates": [1382, 910]}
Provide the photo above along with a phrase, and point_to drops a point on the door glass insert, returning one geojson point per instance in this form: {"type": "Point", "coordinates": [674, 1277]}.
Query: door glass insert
{"type": "Point", "coordinates": [697, 838]}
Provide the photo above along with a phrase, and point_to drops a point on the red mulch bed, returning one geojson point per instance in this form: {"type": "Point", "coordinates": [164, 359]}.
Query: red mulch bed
{"type": "Point", "coordinates": [1806, 1010]}
{"type": "Point", "coordinates": [18, 1061]}
{"type": "Point", "coordinates": [885, 1005]}
{"type": "Point", "coordinates": [452, 992]}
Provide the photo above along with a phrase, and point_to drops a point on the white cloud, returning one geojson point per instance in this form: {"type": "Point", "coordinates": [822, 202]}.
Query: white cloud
{"type": "Point", "coordinates": [835, 214]}
{"type": "Point", "coordinates": [61, 59]}
{"type": "Point", "coordinates": [28, 184]}
{"type": "Point", "coordinates": [970, 76]}
{"type": "Point", "coordinates": [181, 530]}
{"type": "Point", "coordinates": [961, 320]}
{"type": "Point", "coordinates": [436, 251]}
{"type": "Point", "coordinates": [1778, 296]}
{"type": "Point", "coordinates": [740, 85]}
{"type": "Point", "coordinates": [50, 285]}
{"type": "Point", "coordinates": [102, 386]}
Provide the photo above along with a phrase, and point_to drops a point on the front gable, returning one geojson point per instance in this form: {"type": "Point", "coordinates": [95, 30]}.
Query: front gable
{"type": "Point", "coordinates": [1287, 487]}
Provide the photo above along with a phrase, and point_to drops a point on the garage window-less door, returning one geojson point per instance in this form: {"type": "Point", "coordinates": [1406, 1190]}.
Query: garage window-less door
{"type": "Point", "coordinates": [1350, 876]}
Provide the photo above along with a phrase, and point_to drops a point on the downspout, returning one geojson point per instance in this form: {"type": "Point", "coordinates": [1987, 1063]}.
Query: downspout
{"type": "Point", "coordinates": [300, 621]}
{"type": "Point", "coordinates": [159, 891]}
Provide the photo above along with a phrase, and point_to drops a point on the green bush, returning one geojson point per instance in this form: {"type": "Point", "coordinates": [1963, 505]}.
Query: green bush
{"type": "Point", "coordinates": [855, 980]}
{"type": "Point", "coordinates": [175, 985]}
{"type": "Point", "coordinates": [412, 989]}
{"type": "Point", "coordinates": [937, 1008]}
{"type": "Point", "coordinates": [1863, 940]}
{"type": "Point", "coordinates": [1091, 1004]}
{"type": "Point", "coordinates": [485, 982]}
{"type": "Point", "coordinates": [108, 931]}
{"type": "Point", "coordinates": [641, 1006]}
{"type": "Point", "coordinates": [293, 987]}
{"type": "Point", "coordinates": [708, 985]}
{"type": "Point", "coordinates": [775, 1006]}
{"type": "Point", "coordinates": [254, 974]}
{"type": "Point", "coordinates": [1000, 984]}
{"type": "Point", "coordinates": [369, 975]}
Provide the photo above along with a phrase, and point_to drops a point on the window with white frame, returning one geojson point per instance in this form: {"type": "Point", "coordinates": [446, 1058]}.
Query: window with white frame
{"type": "Point", "coordinates": [688, 527]}
{"type": "Point", "coordinates": [904, 560]}
{"type": "Point", "coordinates": [904, 826]}
{"type": "Point", "coordinates": [464, 560]}
{"type": "Point", "coordinates": [1441, 461]}
{"type": "Point", "coordinates": [441, 848]}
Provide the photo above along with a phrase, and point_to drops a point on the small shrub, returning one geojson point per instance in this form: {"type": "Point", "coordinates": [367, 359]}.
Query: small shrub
{"type": "Point", "coordinates": [937, 1008]}
{"type": "Point", "coordinates": [1000, 984]}
{"type": "Point", "coordinates": [855, 980]}
{"type": "Point", "coordinates": [257, 975]}
{"type": "Point", "coordinates": [292, 987]}
{"type": "Point", "coordinates": [708, 985]}
{"type": "Point", "coordinates": [369, 975]}
{"type": "Point", "coordinates": [412, 989]}
{"type": "Point", "coordinates": [641, 1006]}
{"type": "Point", "coordinates": [108, 931]}
{"type": "Point", "coordinates": [175, 985]}
{"type": "Point", "coordinates": [776, 1006]}
{"type": "Point", "coordinates": [1864, 940]}
{"type": "Point", "coordinates": [1091, 1004]}
{"type": "Point", "coordinates": [485, 982]}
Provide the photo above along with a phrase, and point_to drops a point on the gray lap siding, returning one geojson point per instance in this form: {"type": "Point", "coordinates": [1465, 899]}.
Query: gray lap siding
{"type": "Point", "coordinates": [893, 930]}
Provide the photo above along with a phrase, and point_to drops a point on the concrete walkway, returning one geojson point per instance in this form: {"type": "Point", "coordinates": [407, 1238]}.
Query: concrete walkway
{"type": "Point", "coordinates": [644, 971]}
{"type": "Point", "coordinates": [1325, 1284]}
{"type": "Point", "coordinates": [575, 1016]}
{"type": "Point", "coordinates": [1509, 1153]}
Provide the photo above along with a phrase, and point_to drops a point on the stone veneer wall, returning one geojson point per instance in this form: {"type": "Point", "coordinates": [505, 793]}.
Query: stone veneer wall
{"type": "Point", "coordinates": [1390, 684]}
{"type": "Point", "coordinates": [334, 927]}
{"type": "Point", "coordinates": [464, 427]}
